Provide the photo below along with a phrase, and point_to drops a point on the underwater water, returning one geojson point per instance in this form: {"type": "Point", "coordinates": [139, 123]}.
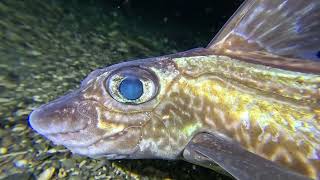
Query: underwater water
{"type": "Point", "coordinates": [47, 47]}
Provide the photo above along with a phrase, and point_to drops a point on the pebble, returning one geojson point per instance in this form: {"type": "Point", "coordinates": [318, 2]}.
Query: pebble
{"type": "Point", "coordinates": [51, 151]}
{"type": "Point", "coordinates": [21, 163]}
{"type": "Point", "coordinates": [37, 98]}
{"type": "Point", "coordinates": [47, 174]}
{"type": "Point", "coordinates": [35, 53]}
{"type": "Point", "coordinates": [99, 165]}
{"type": "Point", "coordinates": [82, 163]}
{"type": "Point", "coordinates": [68, 163]}
{"type": "Point", "coordinates": [103, 176]}
{"type": "Point", "coordinates": [74, 173]}
{"type": "Point", "coordinates": [62, 173]}
{"type": "Point", "coordinates": [18, 128]}
{"type": "Point", "coordinates": [22, 112]}
{"type": "Point", "coordinates": [4, 100]}
{"type": "Point", "coordinates": [3, 150]}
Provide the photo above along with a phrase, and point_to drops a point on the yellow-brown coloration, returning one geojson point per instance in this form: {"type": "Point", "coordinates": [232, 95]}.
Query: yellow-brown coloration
{"type": "Point", "coordinates": [271, 112]}
{"type": "Point", "coordinates": [254, 94]}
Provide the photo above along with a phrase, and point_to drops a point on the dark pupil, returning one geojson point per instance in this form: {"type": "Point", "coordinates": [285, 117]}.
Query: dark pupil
{"type": "Point", "coordinates": [318, 54]}
{"type": "Point", "coordinates": [131, 88]}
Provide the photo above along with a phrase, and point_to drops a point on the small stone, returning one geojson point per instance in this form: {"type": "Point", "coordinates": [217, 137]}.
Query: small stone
{"type": "Point", "coordinates": [113, 33]}
{"type": "Point", "coordinates": [4, 100]}
{"type": "Point", "coordinates": [62, 173]}
{"type": "Point", "coordinates": [39, 141]}
{"type": "Point", "coordinates": [21, 163]}
{"type": "Point", "coordinates": [22, 112]}
{"type": "Point", "coordinates": [18, 127]}
{"type": "Point", "coordinates": [3, 150]}
{"type": "Point", "coordinates": [35, 53]}
{"type": "Point", "coordinates": [47, 174]}
{"type": "Point", "coordinates": [99, 165]}
{"type": "Point", "coordinates": [51, 151]}
{"type": "Point", "coordinates": [103, 176]}
{"type": "Point", "coordinates": [82, 163]}
{"type": "Point", "coordinates": [68, 163]}
{"type": "Point", "coordinates": [37, 98]}
{"type": "Point", "coordinates": [75, 173]}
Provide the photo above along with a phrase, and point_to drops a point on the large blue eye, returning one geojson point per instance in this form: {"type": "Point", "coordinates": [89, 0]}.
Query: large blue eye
{"type": "Point", "coordinates": [131, 88]}
{"type": "Point", "coordinates": [132, 85]}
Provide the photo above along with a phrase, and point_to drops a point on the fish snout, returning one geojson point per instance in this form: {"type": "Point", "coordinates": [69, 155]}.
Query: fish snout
{"type": "Point", "coordinates": [59, 116]}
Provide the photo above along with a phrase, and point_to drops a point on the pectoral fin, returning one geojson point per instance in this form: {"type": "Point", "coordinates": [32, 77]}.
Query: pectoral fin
{"type": "Point", "coordinates": [210, 149]}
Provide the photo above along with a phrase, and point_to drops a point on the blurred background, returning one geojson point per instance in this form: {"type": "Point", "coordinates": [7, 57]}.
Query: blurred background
{"type": "Point", "coordinates": [48, 46]}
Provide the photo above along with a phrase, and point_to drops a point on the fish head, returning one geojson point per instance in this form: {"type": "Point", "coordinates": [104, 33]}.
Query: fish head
{"type": "Point", "coordinates": [108, 114]}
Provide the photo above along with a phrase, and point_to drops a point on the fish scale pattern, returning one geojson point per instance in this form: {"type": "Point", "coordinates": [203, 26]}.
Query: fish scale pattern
{"type": "Point", "coordinates": [281, 125]}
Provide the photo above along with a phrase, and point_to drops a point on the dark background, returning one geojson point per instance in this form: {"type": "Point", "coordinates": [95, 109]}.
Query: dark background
{"type": "Point", "coordinates": [197, 19]}
{"type": "Point", "coordinates": [190, 23]}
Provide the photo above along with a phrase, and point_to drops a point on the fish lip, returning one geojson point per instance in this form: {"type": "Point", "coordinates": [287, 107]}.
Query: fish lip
{"type": "Point", "coordinates": [51, 136]}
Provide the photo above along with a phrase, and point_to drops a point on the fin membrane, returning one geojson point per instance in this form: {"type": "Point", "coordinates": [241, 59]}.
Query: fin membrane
{"type": "Point", "coordinates": [209, 149]}
{"type": "Point", "coordinates": [288, 28]}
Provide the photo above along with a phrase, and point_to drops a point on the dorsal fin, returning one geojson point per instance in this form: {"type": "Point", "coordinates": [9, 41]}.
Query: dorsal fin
{"type": "Point", "coordinates": [281, 33]}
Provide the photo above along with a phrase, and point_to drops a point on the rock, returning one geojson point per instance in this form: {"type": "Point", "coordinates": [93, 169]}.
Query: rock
{"type": "Point", "coordinates": [3, 150]}
{"type": "Point", "coordinates": [21, 163]}
{"type": "Point", "coordinates": [47, 174]}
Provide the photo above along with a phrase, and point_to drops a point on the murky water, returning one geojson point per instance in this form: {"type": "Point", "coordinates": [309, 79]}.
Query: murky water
{"type": "Point", "coordinates": [46, 48]}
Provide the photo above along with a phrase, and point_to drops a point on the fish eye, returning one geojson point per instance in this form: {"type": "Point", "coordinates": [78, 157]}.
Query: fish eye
{"type": "Point", "coordinates": [132, 85]}
{"type": "Point", "coordinates": [131, 88]}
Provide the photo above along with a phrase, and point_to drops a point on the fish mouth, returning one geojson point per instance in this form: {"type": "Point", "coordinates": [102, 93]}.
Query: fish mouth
{"type": "Point", "coordinates": [116, 146]}
{"type": "Point", "coordinates": [70, 121]}
{"type": "Point", "coordinates": [85, 139]}
{"type": "Point", "coordinates": [65, 140]}
{"type": "Point", "coordinates": [71, 127]}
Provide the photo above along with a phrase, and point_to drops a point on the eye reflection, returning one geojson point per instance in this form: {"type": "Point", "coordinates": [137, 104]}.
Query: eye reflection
{"type": "Point", "coordinates": [131, 88]}
{"type": "Point", "coordinates": [132, 85]}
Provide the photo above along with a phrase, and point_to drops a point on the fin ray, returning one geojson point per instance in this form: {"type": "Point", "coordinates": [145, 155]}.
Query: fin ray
{"type": "Point", "coordinates": [286, 28]}
{"type": "Point", "coordinates": [207, 149]}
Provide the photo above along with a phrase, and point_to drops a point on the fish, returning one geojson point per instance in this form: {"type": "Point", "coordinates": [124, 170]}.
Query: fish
{"type": "Point", "coordinates": [249, 101]}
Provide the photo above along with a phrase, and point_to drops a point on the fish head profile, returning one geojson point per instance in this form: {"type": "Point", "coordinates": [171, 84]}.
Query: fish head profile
{"type": "Point", "coordinates": [112, 113]}
{"type": "Point", "coordinates": [254, 90]}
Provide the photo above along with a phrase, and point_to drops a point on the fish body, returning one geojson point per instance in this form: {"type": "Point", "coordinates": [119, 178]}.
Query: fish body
{"type": "Point", "coordinates": [250, 87]}
{"type": "Point", "coordinates": [270, 112]}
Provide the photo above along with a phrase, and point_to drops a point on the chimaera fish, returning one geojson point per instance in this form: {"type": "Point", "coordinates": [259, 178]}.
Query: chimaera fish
{"type": "Point", "coordinates": [249, 101]}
